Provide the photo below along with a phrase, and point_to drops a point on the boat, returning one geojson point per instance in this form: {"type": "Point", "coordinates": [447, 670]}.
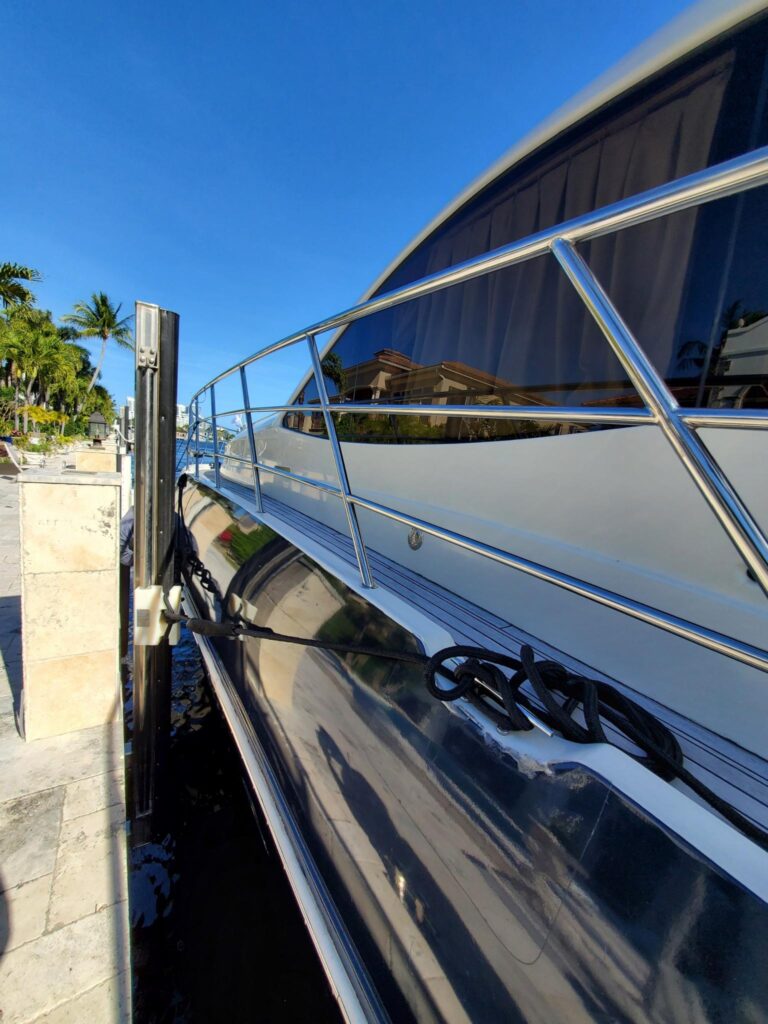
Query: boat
{"type": "Point", "coordinates": [484, 601]}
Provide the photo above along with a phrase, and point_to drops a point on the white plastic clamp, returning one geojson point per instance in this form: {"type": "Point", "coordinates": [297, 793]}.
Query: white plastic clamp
{"type": "Point", "coordinates": [149, 622]}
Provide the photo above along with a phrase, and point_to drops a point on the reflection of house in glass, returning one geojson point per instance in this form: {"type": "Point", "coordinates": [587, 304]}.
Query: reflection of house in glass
{"type": "Point", "coordinates": [741, 373]}
{"type": "Point", "coordinates": [394, 378]}
{"type": "Point", "coordinates": [390, 377]}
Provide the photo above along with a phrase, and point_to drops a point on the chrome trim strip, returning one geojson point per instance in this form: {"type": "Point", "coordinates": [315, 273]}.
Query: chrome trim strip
{"type": "Point", "coordinates": [341, 470]}
{"type": "Point", "coordinates": [346, 973]}
{"type": "Point", "coordinates": [744, 533]}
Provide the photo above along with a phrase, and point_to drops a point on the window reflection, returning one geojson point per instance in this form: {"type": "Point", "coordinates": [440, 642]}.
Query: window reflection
{"type": "Point", "coordinates": [740, 377]}
{"type": "Point", "coordinates": [518, 337]}
{"type": "Point", "coordinates": [693, 287]}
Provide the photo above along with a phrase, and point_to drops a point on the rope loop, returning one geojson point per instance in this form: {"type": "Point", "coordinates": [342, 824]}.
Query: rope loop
{"type": "Point", "coordinates": [560, 693]}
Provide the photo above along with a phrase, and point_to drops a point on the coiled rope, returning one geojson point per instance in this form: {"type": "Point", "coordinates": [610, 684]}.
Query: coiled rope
{"type": "Point", "coordinates": [559, 692]}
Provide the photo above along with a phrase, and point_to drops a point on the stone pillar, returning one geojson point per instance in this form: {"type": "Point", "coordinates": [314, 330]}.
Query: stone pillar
{"type": "Point", "coordinates": [70, 540]}
{"type": "Point", "coordinates": [96, 460]}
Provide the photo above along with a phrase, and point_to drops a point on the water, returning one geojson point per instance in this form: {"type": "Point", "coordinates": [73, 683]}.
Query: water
{"type": "Point", "coordinates": [216, 934]}
{"type": "Point", "coordinates": [181, 452]}
{"type": "Point", "coordinates": [215, 931]}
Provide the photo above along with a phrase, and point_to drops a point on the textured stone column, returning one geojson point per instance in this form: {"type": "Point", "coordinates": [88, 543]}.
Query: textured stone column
{"type": "Point", "coordinates": [96, 460]}
{"type": "Point", "coordinates": [70, 536]}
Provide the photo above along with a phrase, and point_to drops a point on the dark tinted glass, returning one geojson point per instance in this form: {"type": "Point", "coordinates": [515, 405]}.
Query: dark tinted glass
{"type": "Point", "coordinates": [694, 290]}
{"type": "Point", "coordinates": [522, 337]}
{"type": "Point", "coordinates": [690, 286]}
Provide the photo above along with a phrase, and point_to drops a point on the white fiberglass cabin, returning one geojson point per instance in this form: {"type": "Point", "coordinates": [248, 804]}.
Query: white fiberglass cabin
{"type": "Point", "coordinates": [547, 421]}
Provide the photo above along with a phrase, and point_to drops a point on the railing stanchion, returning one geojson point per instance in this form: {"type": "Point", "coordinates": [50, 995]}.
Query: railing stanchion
{"type": "Point", "coordinates": [187, 457]}
{"type": "Point", "coordinates": [197, 437]}
{"type": "Point", "coordinates": [744, 533]}
{"type": "Point", "coordinates": [251, 442]}
{"type": "Point", "coordinates": [216, 466]}
{"type": "Point", "coordinates": [157, 346]}
{"type": "Point", "coordinates": [354, 527]}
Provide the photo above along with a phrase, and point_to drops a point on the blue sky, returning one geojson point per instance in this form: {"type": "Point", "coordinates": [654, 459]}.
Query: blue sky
{"type": "Point", "coordinates": [255, 166]}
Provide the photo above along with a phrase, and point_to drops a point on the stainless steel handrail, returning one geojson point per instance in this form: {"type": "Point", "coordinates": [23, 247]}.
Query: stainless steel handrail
{"type": "Point", "coordinates": [701, 635]}
{"type": "Point", "coordinates": [197, 435]}
{"type": "Point", "coordinates": [251, 440]}
{"type": "Point", "coordinates": [714, 641]}
{"type": "Point", "coordinates": [743, 532]}
{"type": "Point", "coordinates": [354, 528]}
{"type": "Point", "coordinates": [678, 426]}
{"type": "Point", "coordinates": [545, 413]}
{"type": "Point", "coordinates": [741, 419]}
{"type": "Point", "coordinates": [216, 463]}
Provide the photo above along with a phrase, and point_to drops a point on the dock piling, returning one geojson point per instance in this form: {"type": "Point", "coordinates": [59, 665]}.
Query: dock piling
{"type": "Point", "coordinates": [157, 341]}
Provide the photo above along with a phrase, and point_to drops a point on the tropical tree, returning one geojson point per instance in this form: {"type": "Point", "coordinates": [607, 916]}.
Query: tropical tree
{"type": "Point", "coordinates": [36, 353]}
{"type": "Point", "coordinates": [100, 400]}
{"type": "Point", "coordinates": [333, 369]}
{"type": "Point", "coordinates": [102, 320]}
{"type": "Point", "coordinates": [12, 291]}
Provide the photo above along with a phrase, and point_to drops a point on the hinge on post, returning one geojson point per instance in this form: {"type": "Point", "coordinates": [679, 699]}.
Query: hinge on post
{"type": "Point", "coordinates": [146, 357]}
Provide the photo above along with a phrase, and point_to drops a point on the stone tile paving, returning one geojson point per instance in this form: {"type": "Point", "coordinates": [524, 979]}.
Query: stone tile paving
{"type": "Point", "coordinates": [63, 912]}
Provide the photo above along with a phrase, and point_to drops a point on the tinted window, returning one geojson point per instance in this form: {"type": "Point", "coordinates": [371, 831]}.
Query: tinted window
{"type": "Point", "coordinates": [694, 290]}
{"type": "Point", "coordinates": [685, 284]}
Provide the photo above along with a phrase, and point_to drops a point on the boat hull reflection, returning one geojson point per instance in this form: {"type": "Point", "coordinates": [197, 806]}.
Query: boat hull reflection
{"type": "Point", "coordinates": [473, 890]}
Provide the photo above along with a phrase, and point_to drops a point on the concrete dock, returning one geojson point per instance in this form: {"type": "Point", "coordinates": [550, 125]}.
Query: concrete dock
{"type": "Point", "coordinates": [64, 949]}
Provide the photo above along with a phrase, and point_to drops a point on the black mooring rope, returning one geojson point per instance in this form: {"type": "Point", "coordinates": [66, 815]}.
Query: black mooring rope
{"type": "Point", "coordinates": [661, 752]}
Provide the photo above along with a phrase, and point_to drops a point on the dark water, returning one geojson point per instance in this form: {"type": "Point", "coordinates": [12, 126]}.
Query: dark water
{"type": "Point", "coordinates": [216, 934]}
{"type": "Point", "coordinates": [181, 452]}
{"type": "Point", "coordinates": [205, 447]}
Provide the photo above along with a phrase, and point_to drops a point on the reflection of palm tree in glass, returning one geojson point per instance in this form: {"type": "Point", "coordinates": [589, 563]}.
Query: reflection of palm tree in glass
{"type": "Point", "coordinates": [694, 360]}
{"type": "Point", "coordinates": [691, 356]}
{"type": "Point", "coordinates": [734, 316]}
{"type": "Point", "coordinates": [334, 371]}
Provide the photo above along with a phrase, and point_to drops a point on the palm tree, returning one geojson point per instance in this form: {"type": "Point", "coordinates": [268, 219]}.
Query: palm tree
{"type": "Point", "coordinates": [37, 354]}
{"type": "Point", "coordinates": [12, 292]}
{"type": "Point", "coordinates": [102, 320]}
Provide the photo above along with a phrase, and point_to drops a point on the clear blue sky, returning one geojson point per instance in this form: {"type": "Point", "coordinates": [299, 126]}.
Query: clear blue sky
{"type": "Point", "coordinates": [254, 166]}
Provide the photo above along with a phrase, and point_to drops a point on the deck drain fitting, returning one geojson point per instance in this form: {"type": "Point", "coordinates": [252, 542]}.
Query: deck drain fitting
{"type": "Point", "coordinates": [415, 539]}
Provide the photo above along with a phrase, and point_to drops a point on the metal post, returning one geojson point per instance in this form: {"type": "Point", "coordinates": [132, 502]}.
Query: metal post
{"type": "Point", "coordinates": [251, 442]}
{"type": "Point", "coordinates": [734, 517]}
{"type": "Point", "coordinates": [187, 456]}
{"type": "Point", "coordinates": [157, 341]}
{"type": "Point", "coordinates": [125, 427]}
{"type": "Point", "coordinates": [354, 527]}
{"type": "Point", "coordinates": [197, 438]}
{"type": "Point", "coordinates": [216, 466]}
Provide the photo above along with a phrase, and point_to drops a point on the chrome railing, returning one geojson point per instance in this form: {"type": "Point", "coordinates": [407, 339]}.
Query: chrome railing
{"type": "Point", "coordinates": [678, 426]}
